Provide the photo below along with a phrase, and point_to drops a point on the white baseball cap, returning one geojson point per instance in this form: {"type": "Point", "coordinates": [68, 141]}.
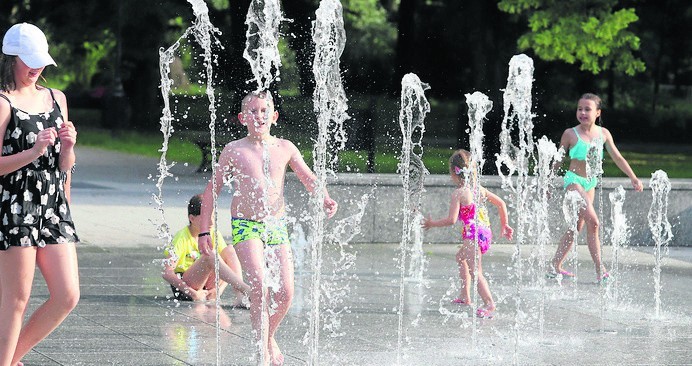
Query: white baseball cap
{"type": "Point", "coordinates": [29, 43]}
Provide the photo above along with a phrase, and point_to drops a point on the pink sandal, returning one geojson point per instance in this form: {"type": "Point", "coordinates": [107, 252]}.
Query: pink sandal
{"type": "Point", "coordinates": [562, 273]}
{"type": "Point", "coordinates": [604, 279]}
{"type": "Point", "coordinates": [459, 301]}
{"type": "Point", "coordinates": [484, 313]}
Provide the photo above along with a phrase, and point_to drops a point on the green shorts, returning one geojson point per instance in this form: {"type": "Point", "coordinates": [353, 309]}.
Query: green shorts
{"type": "Point", "coordinates": [574, 178]}
{"type": "Point", "coordinates": [244, 229]}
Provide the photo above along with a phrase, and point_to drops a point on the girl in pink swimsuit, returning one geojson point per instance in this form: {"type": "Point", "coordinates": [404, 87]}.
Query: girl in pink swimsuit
{"type": "Point", "coordinates": [475, 232]}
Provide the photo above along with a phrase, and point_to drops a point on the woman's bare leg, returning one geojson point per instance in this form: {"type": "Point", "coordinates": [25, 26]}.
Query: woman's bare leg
{"type": "Point", "coordinates": [17, 268]}
{"type": "Point", "coordinates": [58, 264]}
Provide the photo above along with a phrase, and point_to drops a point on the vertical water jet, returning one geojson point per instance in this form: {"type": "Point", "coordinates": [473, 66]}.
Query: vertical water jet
{"type": "Point", "coordinates": [414, 107]}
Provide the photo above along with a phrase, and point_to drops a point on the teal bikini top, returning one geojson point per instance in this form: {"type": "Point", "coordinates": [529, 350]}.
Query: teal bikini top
{"type": "Point", "coordinates": [581, 148]}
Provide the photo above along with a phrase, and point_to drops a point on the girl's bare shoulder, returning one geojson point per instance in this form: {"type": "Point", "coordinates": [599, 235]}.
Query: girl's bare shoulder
{"type": "Point", "coordinates": [606, 132]}
{"type": "Point", "coordinates": [569, 132]}
{"type": "Point", "coordinates": [569, 137]}
{"type": "Point", "coordinates": [463, 194]}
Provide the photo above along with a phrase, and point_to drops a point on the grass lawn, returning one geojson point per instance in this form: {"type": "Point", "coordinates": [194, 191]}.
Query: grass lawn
{"type": "Point", "coordinates": [677, 165]}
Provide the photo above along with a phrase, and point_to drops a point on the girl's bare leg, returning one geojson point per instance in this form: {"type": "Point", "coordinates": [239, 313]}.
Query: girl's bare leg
{"type": "Point", "coordinates": [469, 249]}
{"type": "Point", "coordinates": [592, 235]}
{"type": "Point", "coordinates": [464, 276]}
{"type": "Point", "coordinates": [569, 237]}
{"type": "Point", "coordinates": [563, 249]}
{"type": "Point", "coordinates": [483, 288]}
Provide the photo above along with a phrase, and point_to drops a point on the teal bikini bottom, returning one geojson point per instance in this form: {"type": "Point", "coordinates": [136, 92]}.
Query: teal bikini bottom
{"type": "Point", "coordinates": [573, 178]}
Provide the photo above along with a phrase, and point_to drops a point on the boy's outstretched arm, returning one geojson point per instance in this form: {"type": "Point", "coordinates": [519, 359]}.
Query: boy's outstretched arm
{"type": "Point", "coordinates": [309, 179]}
{"type": "Point", "coordinates": [507, 230]}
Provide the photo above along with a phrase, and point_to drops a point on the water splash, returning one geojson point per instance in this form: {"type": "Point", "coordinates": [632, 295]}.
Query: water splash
{"type": "Point", "coordinates": [262, 41]}
{"type": "Point", "coordinates": [517, 107]}
{"type": "Point", "coordinates": [594, 160]}
{"type": "Point", "coordinates": [619, 235]}
{"type": "Point", "coordinates": [414, 107]}
{"type": "Point", "coordinates": [329, 98]}
{"type": "Point", "coordinates": [659, 226]}
{"type": "Point", "coordinates": [572, 204]}
{"type": "Point", "coordinates": [272, 278]}
{"type": "Point", "coordinates": [548, 155]}
{"type": "Point", "coordinates": [478, 107]}
{"type": "Point", "coordinates": [418, 262]}
{"type": "Point", "coordinates": [330, 104]}
{"type": "Point", "coordinates": [337, 287]}
{"type": "Point", "coordinates": [262, 52]}
{"type": "Point", "coordinates": [204, 34]}
{"type": "Point", "coordinates": [515, 159]}
{"type": "Point", "coordinates": [594, 170]}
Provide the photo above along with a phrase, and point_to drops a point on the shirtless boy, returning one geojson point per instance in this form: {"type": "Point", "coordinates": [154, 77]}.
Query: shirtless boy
{"type": "Point", "coordinates": [257, 209]}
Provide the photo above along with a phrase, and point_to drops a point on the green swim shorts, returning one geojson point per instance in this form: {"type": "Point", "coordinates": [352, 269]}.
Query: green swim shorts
{"type": "Point", "coordinates": [574, 178]}
{"type": "Point", "coordinates": [244, 229]}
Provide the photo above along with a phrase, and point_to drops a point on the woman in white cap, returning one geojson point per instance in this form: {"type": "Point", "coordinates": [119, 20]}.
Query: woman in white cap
{"type": "Point", "coordinates": [36, 226]}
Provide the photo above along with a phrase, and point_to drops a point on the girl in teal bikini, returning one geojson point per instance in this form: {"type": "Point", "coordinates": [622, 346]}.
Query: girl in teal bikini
{"type": "Point", "coordinates": [577, 141]}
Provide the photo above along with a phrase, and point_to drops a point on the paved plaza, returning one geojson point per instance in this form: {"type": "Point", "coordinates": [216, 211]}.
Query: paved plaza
{"type": "Point", "coordinates": [125, 315]}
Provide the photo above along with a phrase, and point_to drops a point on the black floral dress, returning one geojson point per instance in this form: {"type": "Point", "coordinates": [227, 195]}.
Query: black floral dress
{"type": "Point", "coordinates": [33, 207]}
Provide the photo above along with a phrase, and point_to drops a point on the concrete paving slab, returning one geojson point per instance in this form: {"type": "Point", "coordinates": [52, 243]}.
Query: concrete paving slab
{"type": "Point", "coordinates": [125, 315]}
{"type": "Point", "coordinates": [156, 331]}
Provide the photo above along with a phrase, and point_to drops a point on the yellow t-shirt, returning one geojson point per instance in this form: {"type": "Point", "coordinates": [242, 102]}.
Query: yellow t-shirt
{"type": "Point", "coordinates": [185, 247]}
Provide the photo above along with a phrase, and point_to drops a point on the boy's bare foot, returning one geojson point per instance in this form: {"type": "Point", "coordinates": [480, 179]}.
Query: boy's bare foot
{"type": "Point", "coordinates": [277, 357]}
{"type": "Point", "coordinates": [241, 302]}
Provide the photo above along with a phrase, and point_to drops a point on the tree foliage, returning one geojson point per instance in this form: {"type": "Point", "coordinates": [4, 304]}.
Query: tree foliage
{"type": "Point", "coordinates": [592, 33]}
{"type": "Point", "coordinates": [457, 46]}
{"type": "Point", "coordinates": [370, 38]}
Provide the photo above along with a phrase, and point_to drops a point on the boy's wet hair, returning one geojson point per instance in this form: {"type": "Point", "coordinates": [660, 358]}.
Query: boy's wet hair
{"type": "Point", "coordinates": [194, 207]}
{"type": "Point", "coordinates": [261, 94]}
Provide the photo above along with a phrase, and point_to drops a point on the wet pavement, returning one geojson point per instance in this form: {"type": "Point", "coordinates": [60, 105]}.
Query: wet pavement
{"type": "Point", "coordinates": [125, 315]}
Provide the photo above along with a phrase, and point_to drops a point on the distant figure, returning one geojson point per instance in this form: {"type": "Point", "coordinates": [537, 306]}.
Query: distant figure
{"type": "Point", "coordinates": [257, 211]}
{"type": "Point", "coordinates": [192, 275]}
{"type": "Point", "coordinates": [578, 141]}
{"type": "Point", "coordinates": [475, 226]}
{"type": "Point", "coordinates": [37, 229]}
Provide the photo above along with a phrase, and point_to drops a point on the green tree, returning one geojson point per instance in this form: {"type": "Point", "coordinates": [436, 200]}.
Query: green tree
{"type": "Point", "coordinates": [370, 39]}
{"type": "Point", "coordinates": [592, 33]}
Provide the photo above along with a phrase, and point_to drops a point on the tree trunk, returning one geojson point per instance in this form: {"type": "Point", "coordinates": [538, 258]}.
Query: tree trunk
{"type": "Point", "coordinates": [302, 13]}
{"type": "Point", "coordinates": [656, 72]}
{"type": "Point", "coordinates": [611, 88]}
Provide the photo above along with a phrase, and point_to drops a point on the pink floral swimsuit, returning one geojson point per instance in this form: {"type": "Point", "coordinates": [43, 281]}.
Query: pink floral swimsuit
{"type": "Point", "coordinates": [481, 226]}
